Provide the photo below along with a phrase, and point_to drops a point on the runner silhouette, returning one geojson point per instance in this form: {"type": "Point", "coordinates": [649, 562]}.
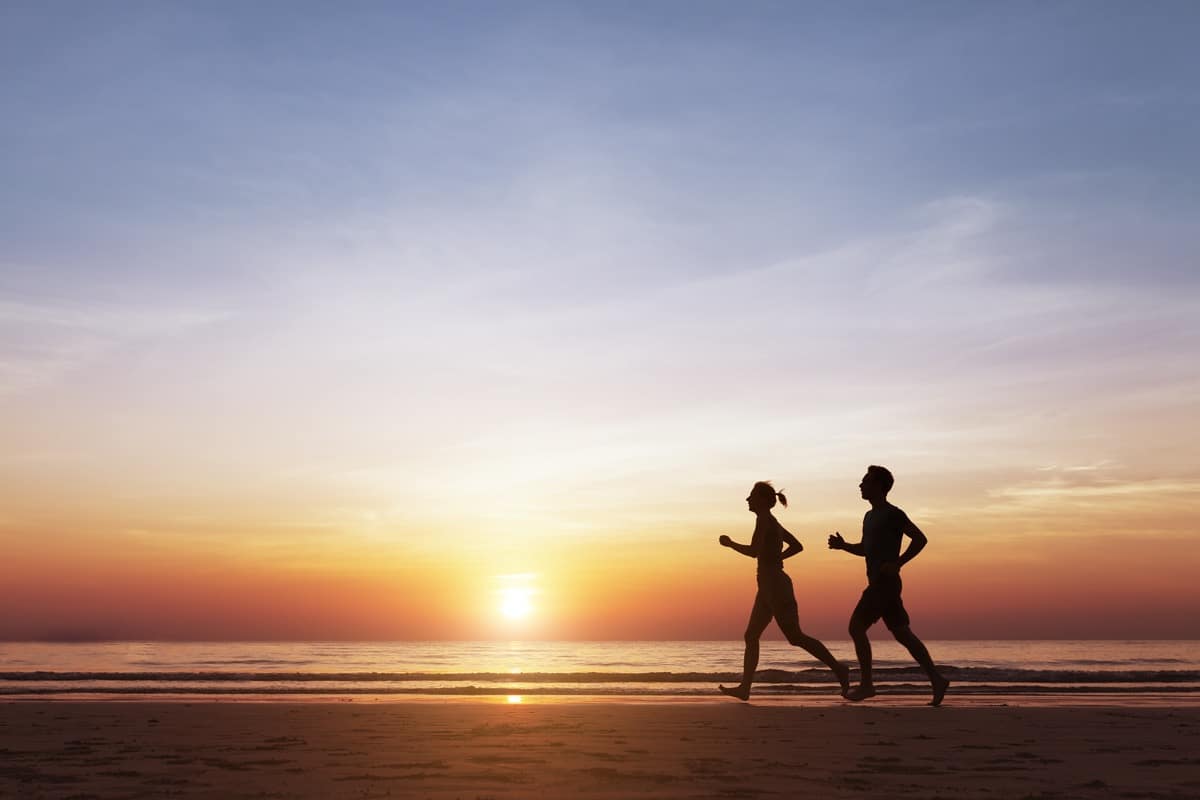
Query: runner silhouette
{"type": "Point", "coordinates": [775, 598]}
{"type": "Point", "coordinates": [884, 527]}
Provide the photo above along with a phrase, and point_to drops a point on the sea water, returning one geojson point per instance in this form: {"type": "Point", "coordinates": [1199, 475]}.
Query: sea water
{"type": "Point", "coordinates": [1136, 670]}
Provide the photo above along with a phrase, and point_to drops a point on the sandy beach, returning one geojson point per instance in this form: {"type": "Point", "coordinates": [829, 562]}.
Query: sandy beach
{"type": "Point", "coordinates": [593, 750]}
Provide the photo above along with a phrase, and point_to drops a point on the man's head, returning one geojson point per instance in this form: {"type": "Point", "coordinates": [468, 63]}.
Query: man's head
{"type": "Point", "coordinates": [876, 484]}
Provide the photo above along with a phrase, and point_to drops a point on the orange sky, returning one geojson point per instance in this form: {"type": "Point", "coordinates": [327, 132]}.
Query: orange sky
{"type": "Point", "coordinates": [132, 517]}
{"type": "Point", "coordinates": [1088, 572]}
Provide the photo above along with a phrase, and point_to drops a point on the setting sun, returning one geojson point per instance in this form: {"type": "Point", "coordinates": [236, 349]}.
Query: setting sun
{"type": "Point", "coordinates": [516, 602]}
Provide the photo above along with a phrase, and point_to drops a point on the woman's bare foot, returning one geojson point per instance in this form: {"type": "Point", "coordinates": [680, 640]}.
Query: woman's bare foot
{"type": "Point", "coordinates": [940, 685]}
{"type": "Point", "coordinates": [861, 692]}
{"type": "Point", "coordinates": [843, 675]}
{"type": "Point", "coordinates": [740, 692]}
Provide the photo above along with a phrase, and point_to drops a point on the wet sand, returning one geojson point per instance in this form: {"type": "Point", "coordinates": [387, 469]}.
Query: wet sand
{"type": "Point", "coordinates": [575, 750]}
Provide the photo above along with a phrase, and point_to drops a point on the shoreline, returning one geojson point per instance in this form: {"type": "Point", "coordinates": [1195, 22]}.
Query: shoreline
{"type": "Point", "coordinates": [1065, 700]}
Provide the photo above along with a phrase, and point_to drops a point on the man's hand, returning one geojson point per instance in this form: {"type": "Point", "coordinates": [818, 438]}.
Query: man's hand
{"type": "Point", "coordinates": [889, 568]}
{"type": "Point", "coordinates": [836, 542]}
{"type": "Point", "coordinates": [725, 541]}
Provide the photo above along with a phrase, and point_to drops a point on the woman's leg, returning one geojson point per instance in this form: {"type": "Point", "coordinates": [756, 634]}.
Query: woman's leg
{"type": "Point", "coordinates": [788, 618]}
{"type": "Point", "coordinates": [760, 618]}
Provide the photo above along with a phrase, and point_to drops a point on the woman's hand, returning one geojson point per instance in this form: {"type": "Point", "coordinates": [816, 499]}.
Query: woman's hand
{"type": "Point", "coordinates": [725, 541]}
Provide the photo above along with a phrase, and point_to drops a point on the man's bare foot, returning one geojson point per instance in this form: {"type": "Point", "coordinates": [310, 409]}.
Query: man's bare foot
{"type": "Point", "coordinates": [843, 676]}
{"type": "Point", "coordinates": [861, 692]}
{"type": "Point", "coordinates": [740, 692]}
{"type": "Point", "coordinates": [940, 685]}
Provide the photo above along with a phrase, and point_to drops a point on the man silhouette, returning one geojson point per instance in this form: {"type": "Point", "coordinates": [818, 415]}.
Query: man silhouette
{"type": "Point", "coordinates": [884, 527]}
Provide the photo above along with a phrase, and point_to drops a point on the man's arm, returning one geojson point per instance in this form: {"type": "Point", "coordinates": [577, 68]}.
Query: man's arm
{"type": "Point", "coordinates": [793, 544]}
{"type": "Point", "coordinates": [745, 549]}
{"type": "Point", "coordinates": [916, 545]}
{"type": "Point", "coordinates": [836, 542]}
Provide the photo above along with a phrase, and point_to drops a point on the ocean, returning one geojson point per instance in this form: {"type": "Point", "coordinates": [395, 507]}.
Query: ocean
{"type": "Point", "coordinates": [1138, 672]}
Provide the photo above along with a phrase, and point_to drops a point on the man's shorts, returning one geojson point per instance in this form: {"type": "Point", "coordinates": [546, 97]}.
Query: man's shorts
{"type": "Point", "coordinates": [881, 600]}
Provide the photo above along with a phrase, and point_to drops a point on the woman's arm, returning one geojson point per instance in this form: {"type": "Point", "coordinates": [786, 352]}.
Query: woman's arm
{"type": "Point", "coordinates": [793, 544]}
{"type": "Point", "coordinates": [750, 550]}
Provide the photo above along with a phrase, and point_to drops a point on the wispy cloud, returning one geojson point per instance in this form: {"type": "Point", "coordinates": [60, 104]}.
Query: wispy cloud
{"type": "Point", "coordinates": [1103, 487]}
{"type": "Point", "coordinates": [44, 341]}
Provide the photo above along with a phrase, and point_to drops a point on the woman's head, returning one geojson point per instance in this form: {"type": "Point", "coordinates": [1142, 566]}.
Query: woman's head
{"type": "Point", "coordinates": [763, 496]}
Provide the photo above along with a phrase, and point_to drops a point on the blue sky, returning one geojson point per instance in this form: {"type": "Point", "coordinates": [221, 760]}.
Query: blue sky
{"type": "Point", "coordinates": [769, 127]}
{"type": "Point", "coordinates": [372, 254]}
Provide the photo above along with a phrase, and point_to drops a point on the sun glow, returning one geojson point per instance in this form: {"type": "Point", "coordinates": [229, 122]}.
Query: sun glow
{"type": "Point", "coordinates": [516, 602]}
{"type": "Point", "coordinates": [514, 596]}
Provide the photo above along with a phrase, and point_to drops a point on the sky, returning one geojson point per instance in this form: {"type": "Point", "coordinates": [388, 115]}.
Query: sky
{"type": "Point", "coordinates": [372, 320]}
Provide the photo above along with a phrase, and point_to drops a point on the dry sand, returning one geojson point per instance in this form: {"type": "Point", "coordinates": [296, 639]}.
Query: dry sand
{"type": "Point", "coordinates": [581, 750]}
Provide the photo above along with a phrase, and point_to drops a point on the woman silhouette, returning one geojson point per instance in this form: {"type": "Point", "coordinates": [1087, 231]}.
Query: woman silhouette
{"type": "Point", "coordinates": [775, 598]}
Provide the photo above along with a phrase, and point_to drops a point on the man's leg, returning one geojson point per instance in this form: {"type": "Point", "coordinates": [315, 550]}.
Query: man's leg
{"type": "Point", "coordinates": [866, 614]}
{"type": "Point", "coordinates": [862, 648]}
{"type": "Point", "coordinates": [920, 653]}
{"type": "Point", "coordinates": [760, 618]}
